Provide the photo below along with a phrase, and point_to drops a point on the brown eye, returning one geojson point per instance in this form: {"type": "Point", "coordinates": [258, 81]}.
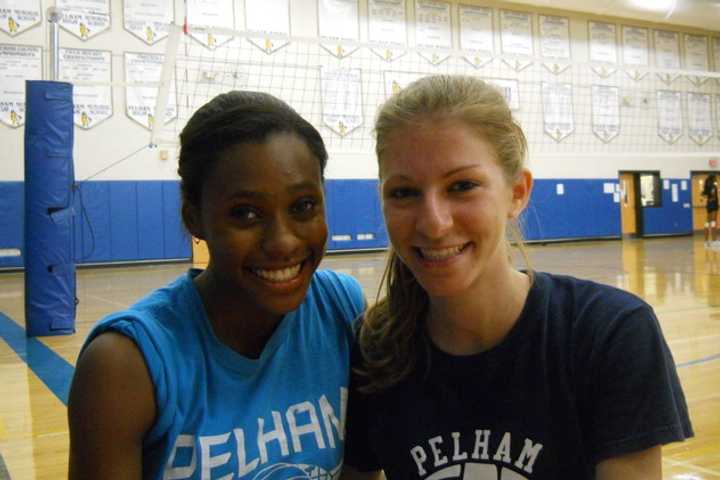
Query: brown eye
{"type": "Point", "coordinates": [245, 214]}
{"type": "Point", "coordinates": [305, 205]}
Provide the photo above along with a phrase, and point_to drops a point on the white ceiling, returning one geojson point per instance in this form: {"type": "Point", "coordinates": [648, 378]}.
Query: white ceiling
{"type": "Point", "coordinates": [703, 14]}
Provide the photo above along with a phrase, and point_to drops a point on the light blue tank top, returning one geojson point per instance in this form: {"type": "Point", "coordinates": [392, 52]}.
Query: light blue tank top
{"type": "Point", "coordinates": [222, 415]}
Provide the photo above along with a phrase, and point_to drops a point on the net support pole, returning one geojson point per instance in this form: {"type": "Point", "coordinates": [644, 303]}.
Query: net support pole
{"type": "Point", "coordinates": [50, 286]}
{"type": "Point", "coordinates": [166, 77]}
{"type": "Point", "coordinates": [53, 15]}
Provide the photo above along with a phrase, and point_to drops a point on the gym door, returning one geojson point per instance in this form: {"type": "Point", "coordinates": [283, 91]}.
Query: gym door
{"type": "Point", "coordinates": [697, 180]}
{"type": "Point", "coordinates": [628, 204]}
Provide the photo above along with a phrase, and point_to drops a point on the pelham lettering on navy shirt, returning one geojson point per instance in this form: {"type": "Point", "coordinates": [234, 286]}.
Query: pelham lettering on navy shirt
{"type": "Point", "coordinates": [305, 425]}
{"type": "Point", "coordinates": [443, 457]}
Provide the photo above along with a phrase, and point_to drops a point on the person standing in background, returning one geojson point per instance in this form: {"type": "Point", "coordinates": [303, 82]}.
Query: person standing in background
{"type": "Point", "coordinates": [710, 192]}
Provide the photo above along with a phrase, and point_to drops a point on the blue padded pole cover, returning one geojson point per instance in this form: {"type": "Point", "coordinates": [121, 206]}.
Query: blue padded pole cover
{"type": "Point", "coordinates": [49, 178]}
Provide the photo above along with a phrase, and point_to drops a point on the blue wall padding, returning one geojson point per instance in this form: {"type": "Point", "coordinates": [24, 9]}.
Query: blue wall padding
{"type": "Point", "coordinates": [12, 206]}
{"type": "Point", "coordinates": [124, 211]}
{"type": "Point", "coordinates": [583, 211]}
{"type": "Point", "coordinates": [92, 222]}
{"type": "Point", "coordinates": [49, 177]}
{"type": "Point", "coordinates": [176, 240]}
{"type": "Point", "coordinates": [121, 221]}
{"type": "Point", "coordinates": [150, 221]}
{"type": "Point", "coordinates": [671, 218]}
{"type": "Point", "coordinates": [140, 220]}
{"type": "Point", "coordinates": [353, 211]}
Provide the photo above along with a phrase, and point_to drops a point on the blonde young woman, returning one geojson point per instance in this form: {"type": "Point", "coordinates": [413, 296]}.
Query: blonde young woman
{"type": "Point", "coordinates": [470, 368]}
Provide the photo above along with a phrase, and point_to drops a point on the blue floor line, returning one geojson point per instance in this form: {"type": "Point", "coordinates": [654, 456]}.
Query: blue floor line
{"type": "Point", "coordinates": [56, 373]}
{"type": "Point", "coordinates": [699, 361]}
{"type": "Point", "coordinates": [53, 370]}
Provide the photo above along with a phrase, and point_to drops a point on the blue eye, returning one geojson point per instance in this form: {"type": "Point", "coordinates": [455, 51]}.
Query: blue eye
{"type": "Point", "coordinates": [462, 186]}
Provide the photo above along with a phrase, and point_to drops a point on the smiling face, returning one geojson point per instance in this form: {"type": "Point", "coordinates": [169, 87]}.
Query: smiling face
{"type": "Point", "coordinates": [262, 215]}
{"type": "Point", "coordinates": [446, 203]}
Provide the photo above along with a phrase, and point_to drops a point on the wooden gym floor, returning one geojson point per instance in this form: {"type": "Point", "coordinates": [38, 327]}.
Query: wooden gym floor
{"type": "Point", "coordinates": [677, 276]}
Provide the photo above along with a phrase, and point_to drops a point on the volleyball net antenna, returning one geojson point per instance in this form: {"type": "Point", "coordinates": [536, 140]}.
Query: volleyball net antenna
{"type": "Point", "coordinates": [567, 109]}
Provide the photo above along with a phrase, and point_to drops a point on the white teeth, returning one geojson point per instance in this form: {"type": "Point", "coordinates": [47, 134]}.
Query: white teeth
{"type": "Point", "coordinates": [279, 275]}
{"type": "Point", "coordinates": [440, 254]}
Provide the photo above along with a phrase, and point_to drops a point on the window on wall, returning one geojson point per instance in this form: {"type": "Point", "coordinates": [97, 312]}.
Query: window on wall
{"type": "Point", "coordinates": [650, 190]}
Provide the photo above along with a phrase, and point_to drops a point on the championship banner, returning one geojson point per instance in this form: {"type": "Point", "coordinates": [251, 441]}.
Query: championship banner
{"type": "Point", "coordinates": [386, 25]}
{"type": "Point", "coordinates": [603, 47]}
{"type": "Point", "coordinates": [605, 112]}
{"type": "Point", "coordinates": [142, 69]}
{"type": "Point", "coordinates": [670, 118]}
{"type": "Point", "coordinates": [696, 57]}
{"type": "Point", "coordinates": [635, 51]}
{"type": "Point", "coordinates": [555, 42]}
{"type": "Point", "coordinates": [667, 53]}
{"type": "Point", "coordinates": [557, 102]}
{"type": "Point", "coordinates": [268, 16]}
{"type": "Point", "coordinates": [433, 30]}
{"type": "Point", "coordinates": [341, 99]}
{"type": "Point", "coordinates": [339, 26]}
{"type": "Point", "coordinates": [148, 20]}
{"type": "Point", "coordinates": [209, 14]}
{"type": "Point", "coordinates": [476, 34]}
{"type": "Point", "coordinates": [516, 37]}
{"type": "Point", "coordinates": [17, 64]}
{"type": "Point", "coordinates": [92, 103]}
{"type": "Point", "coordinates": [16, 16]}
{"type": "Point", "coordinates": [84, 18]}
{"type": "Point", "coordinates": [700, 127]}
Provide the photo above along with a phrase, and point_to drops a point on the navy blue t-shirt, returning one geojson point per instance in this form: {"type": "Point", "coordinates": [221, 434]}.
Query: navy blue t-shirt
{"type": "Point", "coordinates": [584, 375]}
{"type": "Point", "coordinates": [711, 192]}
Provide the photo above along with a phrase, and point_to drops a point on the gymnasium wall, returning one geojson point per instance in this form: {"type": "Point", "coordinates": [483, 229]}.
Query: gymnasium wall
{"type": "Point", "coordinates": [130, 208]}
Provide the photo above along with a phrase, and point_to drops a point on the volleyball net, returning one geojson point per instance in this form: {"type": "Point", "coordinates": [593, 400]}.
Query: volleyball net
{"type": "Point", "coordinates": [565, 109]}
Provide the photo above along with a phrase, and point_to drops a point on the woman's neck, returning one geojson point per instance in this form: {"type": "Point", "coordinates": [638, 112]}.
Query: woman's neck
{"type": "Point", "coordinates": [236, 322]}
{"type": "Point", "coordinates": [481, 318]}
